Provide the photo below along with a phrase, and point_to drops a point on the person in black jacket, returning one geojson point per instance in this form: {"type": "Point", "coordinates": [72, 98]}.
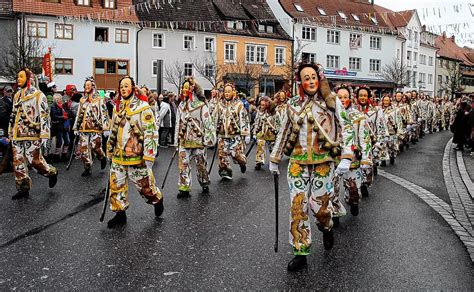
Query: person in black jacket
{"type": "Point", "coordinates": [460, 126]}
{"type": "Point", "coordinates": [6, 106]}
{"type": "Point", "coordinates": [60, 128]}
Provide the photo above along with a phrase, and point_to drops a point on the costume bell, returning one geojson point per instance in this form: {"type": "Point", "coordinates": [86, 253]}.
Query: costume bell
{"type": "Point", "coordinates": [309, 137]}
{"type": "Point", "coordinates": [264, 130]}
{"type": "Point", "coordinates": [362, 148]}
{"type": "Point", "coordinates": [29, 128]}
{"type": "Point", "coordinates": [195, 132]}
{"type": "Point", "coordinates": [132, 147]}
{"type": "Point", "coordinates": [233, 129]}
{"type": "Point", "coordinates": [91, 122]}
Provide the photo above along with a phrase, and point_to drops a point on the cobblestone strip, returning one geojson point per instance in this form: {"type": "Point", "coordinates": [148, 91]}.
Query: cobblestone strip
{"type": "Point", "coordinates": [456, 188]}
{"type": "Point", "coordinates": [441, 207]}
{"type": "Point", "coordinates": [465, 175]}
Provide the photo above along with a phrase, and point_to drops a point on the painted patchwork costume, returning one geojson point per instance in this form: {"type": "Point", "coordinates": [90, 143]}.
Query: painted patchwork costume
{"type": "Point", "coordinates": [233, 125]}
{"type": "Point", "coordinates": [133, 141]}
{"type": "Point", "coordinates": [91, 121]}
{"type": "Point", "coordinates": [406, 121]}
{"type": "Point", "coordinates": [29, 125]}
{"type": "Point", "coordinates": [308, 136]}
{"type": "Point", "coordinates": [264, 130]}
{"type": "Point", "coordinates": [195, 132]}
{"type": "Point", "coordinates": [362, 158]}
{"type": "Point", "coordinates": [394, 128]}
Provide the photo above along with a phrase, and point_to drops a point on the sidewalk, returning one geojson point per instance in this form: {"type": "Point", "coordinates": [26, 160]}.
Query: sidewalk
{"type": "Point", "coordinates": [466, 168]}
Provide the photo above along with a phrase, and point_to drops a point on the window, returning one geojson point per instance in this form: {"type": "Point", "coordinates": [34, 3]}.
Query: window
{"type": "Point", "coordinates": [430, 78]}
{"type": "Point", "coordinates": [122, 67]}
{"type": "Point", "coordinates": [188, 69]}
{"type": "Point", "coordinates": [415, 55]}
{"type": "Point", "coordinates": [188, 43]}
{"type": "Point", "coordinates": [375, 43]}
{"type": "Point", "coordinates": [229, 52]}
{"type": "Point", "coordinates": [308, 33]}
{"type": "Point", "coordinates": [83, 2]}
{"type": "Point", "coordinates": [430, 61]}
{"type": "Point", "coordinates": [374, 65]}
{"type": "Point", "coordinates": [355, 40]}
{"type": "Point", "coordinates": [356, 18]}
{"type": "Point", "coordinates": [63, 31]}
{"type": "Point", "coordinates": [255, 54]}
{"type": "Point", "coordinates": [332, 62]}
{"type": "Point", "coordinates": [342, 14]}
{"type": "Point", "coordinates": [37, 29]}
{"type": "Point", "coordinates": [416, 39]}
{"type": "Point", "coordinates": [398, 54]}
{"type": "Point", "coordinates": [409, 58]}
{"type": "Point", "coordinates": [261, 54]}
{"type": "Point", "coordinates": [109, 4]}
{"type": "Point", "coordinates": [235, 25]}
{"type": "Point", "coordinates": [270, 29]}
{"type": "Point", "coordinates": [446, 79]}
{"type": "Point", "coordinates": [111, 67]}
{"type": "Point", "coordinates": [321, 11]}
{"type": "Point", "coordinates": [279, 56]}
{"type": "Point", "coordinates": [250, 54]}
{"type": "Point", "coordinates": [308, 57]}
{"type": "Point", "coordinates": [413, 79]}
{"type": "Point", "coordinates": [154, 68]}
{"type": "Point", "coordinates": [422, 59]}
{"type": "Point", "coordinates": [158, 41]}
{"type": "Point", "coordinates": [298, 7]}
{"type": "Point", "coordinates": [101, 34]}
{"type": "Point", "coordinates": [209, 44]}
{"type": "Point", "coordinates": [261, 27]}
{"type": "Point", "coordinates": [209, 70]}
{"type": "Point", "coordinates": [99, 67]}
{"type": "Point", "coordinates": [409, 38]}
{"type": "Point", "coordinates": [354, 63]}
{"type": "Point", "coordinates": [440, 79]}
{"type": "Point", "coordinates": [121, 36]}
{"type": "Point", "coordinates": [422, 77]}
{"type": "Point", "coordinates": [333, 36]}
{"type": "Point", "coordinates": [63, 66]}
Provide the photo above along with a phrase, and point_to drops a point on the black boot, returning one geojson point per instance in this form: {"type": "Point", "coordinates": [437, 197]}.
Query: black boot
{"type": "Point", "coordinates": [328, 239]}
{"type": "Point", "coordinates": [86, 172]}
{"type": "Point", "coordinates": [407, 145]}
{"type": "Point", "coordinates": [243, 168]}
{"type": "Point", "coordinates": [103, 163]}
{"type": "Point", "coordinates": [258, 166]}
{"type": "Point", "coordinates": [53, 180]}
{"type": "Point", "coordinates": [21, 195]}
{"type": "Point", "coordinates": [335, 222]}
{"type": "Point", "coordinates": [376, 170]}
{"type": "Point", "coordinates": [183, 194]}
{"type": "Point", "coordinates": [401, 147]}
{"type": "Point", "coordinates": [392, 160]}
{"type": "Point", "coordinates": [297, 263]}
{"type": "Point", "coordinates": [355, 209]}
{"type": "Point", "coordinates": [364, 190]}
{"type": "Point", "coordinates": [159, 208]}
{"type": "Point", "coordinates": [120, 218]}
{"type": "Point", "coordinates": [384, 163]}
{"type": "Point", "coordinates": [205, 189]}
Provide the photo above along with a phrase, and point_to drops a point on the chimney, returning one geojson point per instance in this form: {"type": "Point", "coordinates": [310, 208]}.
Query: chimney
{"type": "Point", "coordinates": [444, 35]}
{"type": "Point", "coordinates": [453, 38]}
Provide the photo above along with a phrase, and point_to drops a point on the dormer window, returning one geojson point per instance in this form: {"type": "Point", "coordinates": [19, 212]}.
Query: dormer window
{"type": "Point", "coordinates": [235, 25]}
{"type": "Point", "coordinates": [374, 20]}
{"type": "Point", "coordinates": [230, 24]}
{"type": "Point", "coordinates": [342, 15]}
{"type": "Point", "coordinates": [298, 7]}
{"type": "Point", "coordinates": [83, 2]}
{"type": "Point", "coordinates": [321, 11]}
{"type": "Point", "coordinates": [239, 25]}
{"type": "Point", "coordinates": [110, 4]}
{"type": "Point", "coordinates": [356, 18]}
{"type": "Point", "coordinates": [261, 27]}
{"type": "Point", "coordinates": [270, 29]}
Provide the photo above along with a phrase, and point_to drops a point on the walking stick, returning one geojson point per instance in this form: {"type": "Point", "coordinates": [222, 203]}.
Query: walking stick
{"type": "Point", "coordinates": [213, 158]}
{"type": "Point", "coordinates": [168, 170]}
{"type": "Point", "coordinates": [73, 153]}
{"type": "Point", "coordinates": [251, 146]}
{"type": "Point", "coordinates": [276, 180]}
{"type": "Point", "coordinates": [106, 197]}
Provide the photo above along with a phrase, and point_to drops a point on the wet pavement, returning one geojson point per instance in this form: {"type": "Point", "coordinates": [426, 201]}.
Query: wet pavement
{"type": "Point", "coordinates": [225, 239]}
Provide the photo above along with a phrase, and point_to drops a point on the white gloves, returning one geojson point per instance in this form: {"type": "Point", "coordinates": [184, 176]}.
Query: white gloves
{"type": "Point", "coordinates": [76, 133]}
{"type": "Point", "coordinates": [343, 166]}
{"type": "Point", "coordinates": [419, 120]}
{"type": "Point", "coordinates": [149, 164]}
{"type": "Point", "coordinates": [247, 139]}
{"type": "Point", "coordinates": [106, 133]}
{"type": "Point", "coordinates": [44, 141]}
{"type": "Point", "coordinates": [365, 166]}
{"type": "Point", "coordinates": [274, 168]}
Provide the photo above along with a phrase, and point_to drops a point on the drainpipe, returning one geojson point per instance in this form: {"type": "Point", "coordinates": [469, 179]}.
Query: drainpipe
{"type": "Point", "coordinates": [402, 56]}
{"type": "Point", "coordinates": [136, 53]}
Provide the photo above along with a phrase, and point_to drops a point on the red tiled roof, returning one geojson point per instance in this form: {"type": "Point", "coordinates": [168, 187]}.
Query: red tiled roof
{"type": "Point", "coordinates": [448, 49]}
{"type": "Point", "coordinates": [360, 8]}
{"type": "Point", "coordinates": [69, 8]}
{"type": "Point", "coordinates": [395, 19]}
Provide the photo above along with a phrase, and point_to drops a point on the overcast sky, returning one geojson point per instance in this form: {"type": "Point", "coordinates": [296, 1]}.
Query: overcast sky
{"type": "Point", "coordinates": [441, 12]}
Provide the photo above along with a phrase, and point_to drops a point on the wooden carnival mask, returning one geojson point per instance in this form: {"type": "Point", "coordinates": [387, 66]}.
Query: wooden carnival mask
{"type": "Point", "coordinates": [344, 97]}
{"type": "Point", "coordinates": [309, 80]}
{"type": "Point", "coordinates": [229, 92]}
{"type": "Point", "coordinates": [88, 86]}
{"type": "Point", "coordinates": [363, 96]}
{"type": "Point", "coordinates": [126, 87]}
{"type": "Point", "coordinates": [23, 78]}
{"type": "Point", "coordinates": [386, 101]}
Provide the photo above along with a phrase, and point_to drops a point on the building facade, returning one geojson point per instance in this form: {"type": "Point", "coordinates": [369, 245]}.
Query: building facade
{"type": "Point", "coordinates": [102, 45]}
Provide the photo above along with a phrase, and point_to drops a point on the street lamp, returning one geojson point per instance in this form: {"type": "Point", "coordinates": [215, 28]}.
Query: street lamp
{"type": "Point", "coordinates": [265, 69]}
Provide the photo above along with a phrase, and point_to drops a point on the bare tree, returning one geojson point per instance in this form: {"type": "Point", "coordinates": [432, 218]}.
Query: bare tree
{"type": "Point", "coordinates": [174, 73]}
{"type": "Point", "coordinates": [396, 73]}
{"type": "Point", "coordinates": [208, 67]}
{"type": "Point", "coordinates": [23, 51]}
{"type": "Point", "coordinates": [453, 85]}
{"type": "Point", "coordinates": [297, 57]}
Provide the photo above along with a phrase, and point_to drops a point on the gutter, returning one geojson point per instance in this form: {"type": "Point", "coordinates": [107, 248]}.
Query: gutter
{"type": "Point", "coordinates": [136, 53]}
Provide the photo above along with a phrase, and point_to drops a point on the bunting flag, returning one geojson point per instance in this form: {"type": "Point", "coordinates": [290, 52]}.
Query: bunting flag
{"type": "Point", "coordinates": [48, 65]}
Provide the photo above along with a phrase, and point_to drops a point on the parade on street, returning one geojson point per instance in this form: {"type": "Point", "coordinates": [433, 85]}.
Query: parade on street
{"type": "Point", "coordinates": [278, 145]}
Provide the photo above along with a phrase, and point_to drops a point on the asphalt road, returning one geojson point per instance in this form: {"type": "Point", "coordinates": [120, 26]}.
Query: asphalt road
{"type": "Point", "coordinates": [225, 239]}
